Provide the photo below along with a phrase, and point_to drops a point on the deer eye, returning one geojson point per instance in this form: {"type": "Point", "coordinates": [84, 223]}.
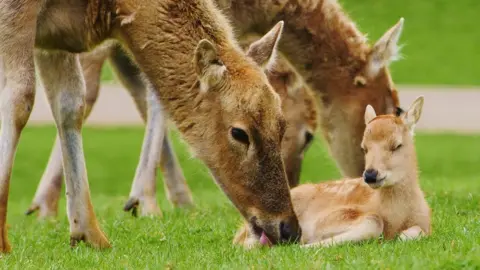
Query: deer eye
{"type": "Point", "coordinates": [240, 135]}
{"type": "Point", "coordinates": [395, 148]}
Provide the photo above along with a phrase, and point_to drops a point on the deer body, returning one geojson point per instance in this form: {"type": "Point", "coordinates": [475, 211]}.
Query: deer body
{"type": "Point", "coordinates": [212, 91]}
{"type": "Point", "coordinates": [387, 199]}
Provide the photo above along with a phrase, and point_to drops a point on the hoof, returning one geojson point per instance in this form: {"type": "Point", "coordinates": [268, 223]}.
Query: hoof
{"type": "Point", "coordinates": [131, 205]}
{"type": "Point", "coordinates": [95, 239]}
{"type": "Point", "coordinates": [44, 211]}
{"type": "Point", "coordinates": [4, 244]}
{"type": "Point", "coordinates": [148, 207]}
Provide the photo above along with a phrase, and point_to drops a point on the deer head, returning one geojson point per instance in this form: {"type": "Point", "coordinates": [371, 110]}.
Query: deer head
{"type": "Point", "coordinates": [247, 128]}
{"type": "Point", "coordinates": [388, 146]}
{"type": "Point", "coordinates": [298, 105]}
{"type": "Point", "coordinates": [365, 80]}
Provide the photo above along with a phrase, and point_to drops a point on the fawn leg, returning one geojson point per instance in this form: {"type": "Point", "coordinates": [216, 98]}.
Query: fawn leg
{"type": "Point", "coordinates": [17, 81]}
{"type": "Point", "coordinates": [339, 229]}
{"type": "Point", "coordinates": [412, 233]}
{"type": "Point", "coordinates": [65, 88]}
{"type": "Point", "coordinates": [48, 191]}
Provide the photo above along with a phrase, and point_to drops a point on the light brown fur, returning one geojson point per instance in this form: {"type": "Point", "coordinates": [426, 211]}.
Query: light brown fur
{"type": "Point", "coordinates": [389, 202]}
{"type": "Point", "coordinates": [221, 88]}
{"type": "Point", "coordinates": [298, 105]}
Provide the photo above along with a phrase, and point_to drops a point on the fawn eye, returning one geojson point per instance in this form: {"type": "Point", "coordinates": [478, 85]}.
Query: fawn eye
{"type": "Point", "coordinates": [239, 135]}
{"type": "Point", "coordinates": [395, 148]}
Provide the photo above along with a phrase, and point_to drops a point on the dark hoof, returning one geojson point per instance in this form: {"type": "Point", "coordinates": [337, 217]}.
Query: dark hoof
{"type": "Point", "coordinates": [31, 210]}
{"type": "Point", "coordinates": [131, 205]}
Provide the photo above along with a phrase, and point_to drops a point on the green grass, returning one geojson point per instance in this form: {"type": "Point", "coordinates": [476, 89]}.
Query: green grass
{"type": "Point", "coordinates": [441, 38]}
{"type": "Point", "coordinates": [200, 238]}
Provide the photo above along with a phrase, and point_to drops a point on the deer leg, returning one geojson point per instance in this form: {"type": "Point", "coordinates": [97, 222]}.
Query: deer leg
{"type": "Point", "coordinates": [341, 229]}
{"type": "Point", "coordinates": [17, 92]}
{"type": "Point", "coordinates": [48, 191]}
{"type": "Point", "coordinates": [143, 191]}
{"type": "Point", "coordinates": [412, 233]}
{"type": "Point", "coordinates": [65, 88]}
{"type": "Point", "coordinates": [176, 187]}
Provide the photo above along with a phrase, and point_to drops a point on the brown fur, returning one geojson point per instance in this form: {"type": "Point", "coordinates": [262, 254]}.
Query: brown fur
{"type": "Point", "coordinates": [358, 209]}
{"type": "Point", "coordinates": [227, 90]}
{"type": "Point", "coordinates": [327, 49]}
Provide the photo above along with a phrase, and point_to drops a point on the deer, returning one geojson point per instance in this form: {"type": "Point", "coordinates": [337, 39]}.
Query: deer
{"type": "Point", "coordinates": [298, 105]}
{"type": "Point", "coordinates": [335, 59]}
{"type": "Point", "coordinates": [387, 200]}
{"type": "Point", "coordinates": [219, 99]}
{"type": "Point", "coordinates": [324, 47]}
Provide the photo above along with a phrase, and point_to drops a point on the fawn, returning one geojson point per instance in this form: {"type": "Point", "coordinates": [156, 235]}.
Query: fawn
{"type": "Point", "coordinates": [387, 199]}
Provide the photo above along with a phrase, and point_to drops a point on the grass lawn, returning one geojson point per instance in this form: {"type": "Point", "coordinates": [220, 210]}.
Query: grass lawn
{"type": "Point", "coordinates": [441, 38]}
{"type": "Point", "coordinates": [200, 238]}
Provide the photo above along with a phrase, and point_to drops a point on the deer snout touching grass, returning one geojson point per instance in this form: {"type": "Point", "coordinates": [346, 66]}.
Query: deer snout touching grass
{"type": "Point", "coordinates": [386, 200]}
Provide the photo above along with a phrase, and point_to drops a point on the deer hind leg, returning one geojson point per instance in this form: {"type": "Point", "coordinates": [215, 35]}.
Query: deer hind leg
{"type": "Point", "coordinates": [176, 186]}
{"type": "Point", "coordinates": [177, 190]}
{"type": "Point", "coordinates": [346, 225]}
{"type": "Point", "coordinates": [48, 191]}
{"type": "Point", "coordinates": [143, 191]}
{"type": "Point", "coordinates": [17, 93]}
{"type": "Point", "coordinates": [65, 88]}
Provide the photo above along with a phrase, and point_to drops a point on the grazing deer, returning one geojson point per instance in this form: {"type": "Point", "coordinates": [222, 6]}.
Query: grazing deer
{"type": "Point", "coordinates": [334, 58]}
{"type": "Point", "coordinates": [298, 105]}
{"type": "Point", "coordinates": [387, 200]}
{"type": "Point", "coordinates": [221, 102]}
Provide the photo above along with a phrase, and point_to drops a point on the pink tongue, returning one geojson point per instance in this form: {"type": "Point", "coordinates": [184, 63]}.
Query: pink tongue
{"type": "Point", "coordinates": [264, 240]}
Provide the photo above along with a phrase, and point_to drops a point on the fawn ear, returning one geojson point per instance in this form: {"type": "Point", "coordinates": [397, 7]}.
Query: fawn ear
{"type": "Point", "coordinates": [413, 114]}
{"type": "Point", "coordinates": [369, 114]}
{"type": "Point", "coordinates": [210, 69]}
{"type": "Point", "coordinates": [264, 50]}
{"type": "Point", "coordinates": [385, 50]}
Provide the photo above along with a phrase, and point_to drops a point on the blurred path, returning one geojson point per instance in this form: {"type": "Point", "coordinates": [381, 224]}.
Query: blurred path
{"type": "Point", "coordinates": [445, 109]}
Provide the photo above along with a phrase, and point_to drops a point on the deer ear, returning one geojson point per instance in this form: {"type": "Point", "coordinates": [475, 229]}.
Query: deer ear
{"type": "Point", "coordinates": [413, 114]}
{"type": "Point", "coordinates": [264, 50]}
{"type": "Point", "coordinates": [369, 114]}
{"type": "Point", "coordinates": [210, 69]}
{"type": "Point", "coordinates": [385, 50]}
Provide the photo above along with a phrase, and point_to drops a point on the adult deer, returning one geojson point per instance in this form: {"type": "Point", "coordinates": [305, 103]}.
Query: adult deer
{"type": "Point", "coordinates": [221, 102]}
{"type": "Point", "coordinates": [298, 105]}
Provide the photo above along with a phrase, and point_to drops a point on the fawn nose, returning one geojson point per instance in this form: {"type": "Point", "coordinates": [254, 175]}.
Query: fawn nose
{"type": "Point", "coordinates": [370, 176]}
{"type": "Point", "coordinates": [290, 231]}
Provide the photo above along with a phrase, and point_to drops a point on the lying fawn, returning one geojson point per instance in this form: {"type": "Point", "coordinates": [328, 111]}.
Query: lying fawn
{"type": "Point", "coordinates": [387, 200]}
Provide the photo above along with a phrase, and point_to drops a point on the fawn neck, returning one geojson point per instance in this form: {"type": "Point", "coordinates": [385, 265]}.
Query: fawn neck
{"type": "Point", "coordinates": [405, 191]}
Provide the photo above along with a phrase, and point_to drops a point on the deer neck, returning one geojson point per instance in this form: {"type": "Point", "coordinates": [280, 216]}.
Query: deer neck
{"type": "Point", "coordinates": [319, 39]}
{"type": "Point", "coordinates": [152, 31]}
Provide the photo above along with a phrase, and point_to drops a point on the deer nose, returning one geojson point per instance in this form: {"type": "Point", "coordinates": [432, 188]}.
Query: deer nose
{"type": "Point", "coordinates": [290, 232]}
{"type": "Point", "coordinates": [370, 176]}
